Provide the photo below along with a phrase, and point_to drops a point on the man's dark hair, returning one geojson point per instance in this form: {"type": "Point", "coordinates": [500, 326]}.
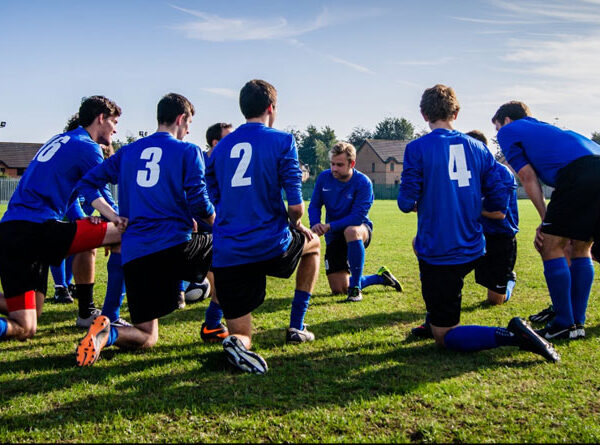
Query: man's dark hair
{"type": "Point", "coordinates": [255, 98]}
{"type": "Point", "coordinates": [214, 132]}
{"type": "Point", "coordinates": [439, 103]}
{"type": "Point", "coordinates": [171, 106]}
{"type": "Point", "coordinates": [93, 106]}
{"type": "Point", "coordinates": [478, 135]}
{"type": "Point", "coordinates": [72, 123]}
{"type": "Point", "coordinates": [513, 109]}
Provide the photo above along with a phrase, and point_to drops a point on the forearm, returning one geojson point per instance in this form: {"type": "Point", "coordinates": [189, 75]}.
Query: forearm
{"type": "Point", "coordinates": [295, 213]}
{"type": "Point", "coordinates": [105, 209]}
{"type": "Point", "coordinates": [534, 191]}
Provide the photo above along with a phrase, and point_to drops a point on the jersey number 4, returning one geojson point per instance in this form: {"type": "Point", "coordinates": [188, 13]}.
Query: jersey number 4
{"type": "Point", "coordinates": [457, 165]}
{"type": "Point", "coordinates": [243, 150]}
{"type": "Point", "coordinates": [148, 176]}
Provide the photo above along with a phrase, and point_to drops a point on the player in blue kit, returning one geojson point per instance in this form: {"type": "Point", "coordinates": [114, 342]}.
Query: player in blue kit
{"type": "Point", "coordinates": [161, 191]}
{"type": "Point", "coordinates": [570, 163]}
{"type": "Point", "coordinates": [495, 271]}
{"type": "Point", "coordinates": [254, 236]}
{"type": "Point", "coordinates": [347, 195]}
{"type": "Point", "coordinates": [32, 233]}
{"type": "Point", "coordinates": [446, 174]}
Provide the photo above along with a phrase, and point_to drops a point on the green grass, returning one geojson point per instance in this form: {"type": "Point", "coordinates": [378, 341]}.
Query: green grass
{"type": "Point", "coordinates": [362, 380]}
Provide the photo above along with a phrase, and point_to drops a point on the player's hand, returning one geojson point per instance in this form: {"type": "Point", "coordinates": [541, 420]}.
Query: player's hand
{"type": "Point", "coordinates": [539, 239]}
{"type": "Point", "coordinates": [308, 234]}
{"type": "Point", "coordinates": [121, 223]}
{"type": "Point", "coordinates": [320, 229]}
{"type": "Point", "coordinates": [94, 219]}
{"type": "Point", "coordinates": [195, 225]}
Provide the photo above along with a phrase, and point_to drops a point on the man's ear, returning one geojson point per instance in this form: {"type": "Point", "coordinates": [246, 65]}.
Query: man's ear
{"type": "Point", "coordinates": [179, 119]}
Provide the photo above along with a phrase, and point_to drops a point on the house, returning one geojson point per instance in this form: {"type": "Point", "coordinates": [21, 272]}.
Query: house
{"type": "Point", "coordinates": [381, 160]}
{"type": "Point", "coordinates": [15, 157]}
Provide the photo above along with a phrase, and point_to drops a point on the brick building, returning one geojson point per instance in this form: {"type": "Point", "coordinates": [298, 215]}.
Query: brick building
{"type": "Point", "coordinates": [15, 157]}
{"type": "Point", "coordinates": [381, 160]}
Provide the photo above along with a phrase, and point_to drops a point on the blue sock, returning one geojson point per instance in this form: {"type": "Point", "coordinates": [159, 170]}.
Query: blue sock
{"type": "Point", "coordinates": [299, 308]}
{"type": "Point", "coordinates": [58, 274]}
{"type": "Point", "coordinates": [582, 276]}
{"type": "Point", "coordinates": [183, 285]}
{"type": "Point", "coordinates": [370, 280]}
{"type": "Point", "coordinates": [112, 337]}
{"type": "Point", "coordinates": [477, 338]}
{"type": "Point", "coordinates": [3, 326]}
{"type": "Point", "coordinates": [69, 269]}
{"type": "Point", "coordinates": [115, 290]}
{"type": "Point", "coordinates": [356, 260]}
{"type": "Point", "coordinates": [213, 315]}
{"type": "Point", "coordinates": [509, 288]}
{"type": "Point", "coordinates": [558, 279]}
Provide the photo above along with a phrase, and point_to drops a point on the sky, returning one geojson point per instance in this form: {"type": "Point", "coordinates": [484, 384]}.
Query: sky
{"type": "Point", "coordinates": [344, 64]}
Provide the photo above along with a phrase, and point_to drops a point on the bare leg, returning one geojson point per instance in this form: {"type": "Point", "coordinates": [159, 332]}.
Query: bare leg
{"type": "Point", "coordinates": [242, 328]}
{"type": "Point", "coordinates": [140, 336]}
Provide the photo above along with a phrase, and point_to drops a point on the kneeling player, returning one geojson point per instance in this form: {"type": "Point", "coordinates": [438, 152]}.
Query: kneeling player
{"type": "Point", "coordinates": [347, 195]}
{"type": "Point", "coordinates": [445, 176]}
{"type": "Point", "coordinates": [161, 191]}
{"type": "Point", "coordinates": [32, 233]}
{"type": "Point", "coordinates": [495, 271]}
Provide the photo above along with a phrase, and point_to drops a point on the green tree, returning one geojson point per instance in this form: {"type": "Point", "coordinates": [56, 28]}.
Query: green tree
{"type": "Point", "coordinates": [117, 143]}
{"type": "Point", "coordinates": [313, 147]}
{"type": "Point", "coordinates": [394, 128]}
{"type": "Point", "coordinates": [358, 136]}
{"type": "Point", "coordinates": [596, 137]}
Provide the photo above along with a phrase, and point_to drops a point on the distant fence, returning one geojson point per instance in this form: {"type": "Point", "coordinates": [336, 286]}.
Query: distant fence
{"type": "Point", "coordinates": [381, 191]}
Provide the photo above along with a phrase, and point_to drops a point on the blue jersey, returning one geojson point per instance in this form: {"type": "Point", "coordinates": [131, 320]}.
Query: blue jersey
{"type": "Point", "coordinates": [161, 188]}
{"type": "Point", "coordinates": [346, 203]}
{"type": "Point", "coordinates": [46, 189]}
{"type": "Point", "coordinates": [545, 147]}
{"type": "Point", "coordinates": [204, 227]}
{"type": "Point", "coordinates": [246, 173]}
{"type": "Point", "coordinates": [446, 174]}
{"type": "Point", "coordinates": [510, 224]}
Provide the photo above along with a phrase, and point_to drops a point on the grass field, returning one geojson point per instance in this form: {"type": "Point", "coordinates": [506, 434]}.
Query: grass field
{"type": "Point", "coordinates": [362, 380]}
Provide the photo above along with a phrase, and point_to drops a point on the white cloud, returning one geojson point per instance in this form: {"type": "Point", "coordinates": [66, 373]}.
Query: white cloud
{"type": "Point", "coordinates": [428, 62]}
{"type": "Point", "coordinates": [571, 11]}
{"type": "Point", "coordinates": [354, 66]}
{"type": "Point", "coordinates": [225, 92]}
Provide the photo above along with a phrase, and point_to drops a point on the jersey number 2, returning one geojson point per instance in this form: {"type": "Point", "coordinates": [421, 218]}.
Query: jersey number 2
{"type": "Point", "coordinates": [457, 165]}
{"type": "Point", "coordinates": [239, 180]}
{"type": "Point", "coordinates": [148, 177]}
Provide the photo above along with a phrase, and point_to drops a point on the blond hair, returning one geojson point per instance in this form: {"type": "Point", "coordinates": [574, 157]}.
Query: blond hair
{"type": "Point", "coordinates": [343, 148]}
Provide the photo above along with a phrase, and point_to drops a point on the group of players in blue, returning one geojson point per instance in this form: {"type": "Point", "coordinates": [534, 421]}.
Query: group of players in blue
{"type": "Point", "coordinates": [185, 214]}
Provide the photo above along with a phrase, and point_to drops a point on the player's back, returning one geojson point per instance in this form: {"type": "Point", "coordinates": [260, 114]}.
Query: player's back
{"type": "Point", "coordinates": [510, 224]}
{"type": "Point", "coordinates": [452, 167]}
{"type": "Point", "coordinates": [46, 189]}
{"type": "Point", "coordinates": [246, 173]}
{"type": "Point", "coordinates": [158, 176]}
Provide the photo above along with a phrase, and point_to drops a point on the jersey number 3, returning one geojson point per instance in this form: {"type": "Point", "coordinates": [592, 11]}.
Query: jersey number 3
{"type": "Point", "coordinates": [457, 165]}
{"type": "Point", "coordinates": [148, 176]}
{"type": "Point", "coordinates": [243, 150]}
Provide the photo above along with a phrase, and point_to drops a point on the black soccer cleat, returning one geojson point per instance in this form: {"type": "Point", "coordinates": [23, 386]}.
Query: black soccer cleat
{"type": "Point", "coordinates": [243, 359]}
{"type": "Point", "coordinates": [529, 340]}
{"type": "Point", "coordinates": [551, 332]}
{"type": "Point", "coordinates": [422, 331]}
{"type": "Point", "coordinates": [389, 278]}
{"type": "Point", "coordinates": [354, 295]}
{"type": "Point", "coordinates": [62, 295]}
{"type": "Point", "coordinates": [543, 316]}
{"type": "Point", "coordinates": [296, 336]}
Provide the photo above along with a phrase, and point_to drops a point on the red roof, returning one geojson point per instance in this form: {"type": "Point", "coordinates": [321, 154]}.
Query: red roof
{"type": "Point", "coordinates": [17, 154]}
{"type": "Point", "coordinates": [387, 150]}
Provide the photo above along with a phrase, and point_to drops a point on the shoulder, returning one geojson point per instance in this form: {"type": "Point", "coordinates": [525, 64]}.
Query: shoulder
{"type": "Point", "coordinates": [361, 178]}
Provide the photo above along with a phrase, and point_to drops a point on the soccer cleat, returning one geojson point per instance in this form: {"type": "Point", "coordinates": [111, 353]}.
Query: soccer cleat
{"type": "Point", "coordinates": [529, 340]}
{"type": "Point", "coordinates": [550, 332]}
{"type": "Point", "coordinates": [296, 336]}
{"type": "Point", "coordinates": [580, 331]}
{"type": "Point", "coordinates": [422, 331]}
{"type": "Point", "coordinates": [87, 322]}
{"type": "Point", "coordinates": [390, 280]}
{"type": "Point", "coordinates": [354, 294]}
{"type": "Point", "coordinates": [121, 323]}
{"type": "Point", "coordinates": [197, 292]}
{"type": "Point", "coordinates": [213, 335]}
{"type": "Point", "coordinates": [72, 290]}
{"type": "Point", "coordinates": [88, 351]}
{"type": "Point", "coordinates": [543, 316]}
{"type": "Point", "coordinates": [62, 295]}
{"type": "Point", "coordinates": [242, 358]}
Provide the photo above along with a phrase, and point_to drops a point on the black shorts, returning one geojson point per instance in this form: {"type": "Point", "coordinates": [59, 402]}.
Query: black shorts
{"type": "Point", "coordinates": [441, 286]}
{"type": "Point", "coordinates": [242, 288]}
{"type": "Point", "coordinates": [596, 248]}
{"type": "Point", "coordinates": [336, 253]}
{"type": "Point", "coordinates": [495, 268]}
{"type": "Point", "coordinates": [153, 282]}
{"type": "Point", "coordinates": [26, 250]}
{"type": "Point", "coordinates": [574, 208]}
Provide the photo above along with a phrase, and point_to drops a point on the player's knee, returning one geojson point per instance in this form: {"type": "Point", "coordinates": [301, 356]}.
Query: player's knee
{"type": "Point", "coordinates": [151, 340]}
{"type": "Point", "coordinates": [496, 299]}
{"type": "Point", "coordinates": [26, 332]}
{"type": "Point", "coordinates": [337, 289]}
{"type": "Point", "coordinates": [351, 233]}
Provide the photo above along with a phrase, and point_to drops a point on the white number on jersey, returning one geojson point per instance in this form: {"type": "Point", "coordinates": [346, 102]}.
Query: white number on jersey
{"type": "Point", "coordinates": [149, 177]}
{"type": "Point", "coordinates": [457, 165]}
{"type": "Point", "coordinates": [47, 151]}
{"type": "Point", "coordinates": [239, 180]}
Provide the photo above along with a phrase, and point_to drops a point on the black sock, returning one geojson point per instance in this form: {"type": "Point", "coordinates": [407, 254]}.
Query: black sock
{"type": "Point", "coordinates": [85, 296]}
